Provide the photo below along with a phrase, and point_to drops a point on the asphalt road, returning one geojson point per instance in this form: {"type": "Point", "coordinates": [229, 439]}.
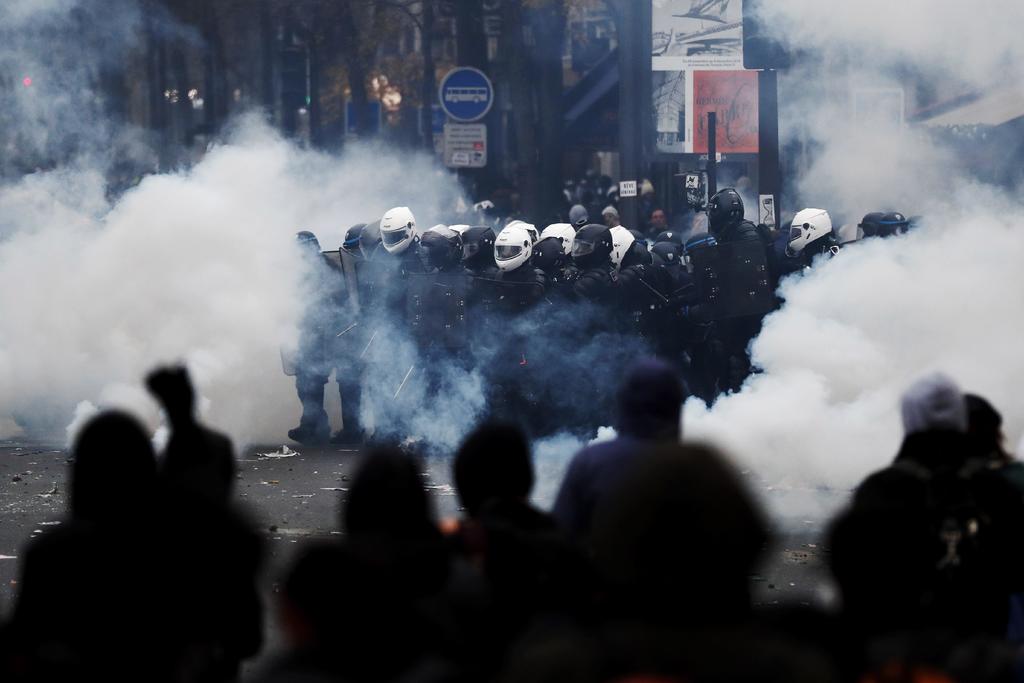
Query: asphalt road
{"type": "Point", "coordinates": [294, 497]}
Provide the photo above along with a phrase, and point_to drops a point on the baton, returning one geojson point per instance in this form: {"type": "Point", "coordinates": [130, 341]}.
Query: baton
{"type": "Point", "coordinates": [372, 337]}
{"type": "Point", "coordinates": [402, 385]}
{"type": "Point", "coordinates": [347, 329]}
{"type": "Point", "coordinates": [656, 292]}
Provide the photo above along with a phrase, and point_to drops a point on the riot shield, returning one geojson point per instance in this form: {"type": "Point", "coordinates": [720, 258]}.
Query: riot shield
{"type": "Point", "coordinates": [348, 267]}
{"type": "Point", "coordinates": [436, 309]}
{"type": "Point", "coordinates": [732, 279]}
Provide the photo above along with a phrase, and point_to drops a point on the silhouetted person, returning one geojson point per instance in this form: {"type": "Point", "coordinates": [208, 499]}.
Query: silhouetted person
{"type": "Point", "coordinates": [985, 430]}
{"type": "Point", "coordinates": [531, 571]}
{"type": "Point", "coordinates": [218, 555]}
{"type": "Point", "coordinates": [197, 459]}
{"type": "Point", "coordinates": [90, 601]}
{"type": "Point", "coordinates": [389, 519]}
{"type": "Point", "coordinates": [932, 541]}
{"type": "Point", "coordinates": [493, 463]}
{"type": "Point", "coordinates": [649, 404]}
{"type": "Point", "coordinates": [675, 543]}
{"type": "Point", "coordinates": [343, 619]}
{"type": "Point", "coordinates": [677, 539]}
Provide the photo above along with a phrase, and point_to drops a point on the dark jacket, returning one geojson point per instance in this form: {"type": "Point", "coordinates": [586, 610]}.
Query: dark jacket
{"type": "Point", "coordinates": [890, 548]}
{"type": "Point", "coordinates": [649, 403]}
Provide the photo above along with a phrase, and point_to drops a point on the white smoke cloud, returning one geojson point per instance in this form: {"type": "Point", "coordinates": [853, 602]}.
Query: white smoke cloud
{"type": "Point", "coordinates": [858, 329]}
{"type": "Point", "coordinates": [196, 266]}
{"type": "Point", "coordinates": [974, 41]}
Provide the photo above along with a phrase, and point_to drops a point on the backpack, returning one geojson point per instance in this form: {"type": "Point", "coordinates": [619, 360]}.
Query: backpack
{"type": "Point", "coordinates": [964, 529]}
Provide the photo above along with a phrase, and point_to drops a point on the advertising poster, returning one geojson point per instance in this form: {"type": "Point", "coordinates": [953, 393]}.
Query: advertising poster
{"type": "Point", "coordinates": [700, 35]}
{"type": "Point", "coordinates": [671, 124]}
{"type": "Point", "coordinates": [733, 95]}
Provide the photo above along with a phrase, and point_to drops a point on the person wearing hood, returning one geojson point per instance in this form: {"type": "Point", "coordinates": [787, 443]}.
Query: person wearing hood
{"type": "Point", "coordinates": [649, 404]}
{"type": "Point", "coordinates": [932, 541]}
{"type": "Point", "coordinates": [578, 216]}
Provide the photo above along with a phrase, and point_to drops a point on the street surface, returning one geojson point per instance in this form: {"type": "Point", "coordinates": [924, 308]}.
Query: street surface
{"type": "Point", "coordinates": [296, 496]}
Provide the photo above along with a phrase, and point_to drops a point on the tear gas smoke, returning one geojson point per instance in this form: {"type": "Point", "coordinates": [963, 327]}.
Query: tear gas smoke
{"type": "Point", "coordinates": [53, 109]}
{"type": "Point", "coordinates": [197, 265]}
{"type": "Point", "coordinates": [857, 329]}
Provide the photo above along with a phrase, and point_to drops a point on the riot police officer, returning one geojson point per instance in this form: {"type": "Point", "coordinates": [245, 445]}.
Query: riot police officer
{"type": "Point", "coordinates": [436, 306]}
{"type": "Point", "coordinates": [734, 290]}
{"type": "Point", "coordinates": [478, 251]}
{"type": "Point", "coordinates": [725, 218]}
{"type": "Point", "coordinates": [519, 285]}
{"type": "Point", "coordinates": [352, 338]}
{"type": "Point", "coordinates": [810, 235]}
{"type": "Point", "coordinates": [591, 254]}
{"type": "Point", "coordinates": [324, 289]}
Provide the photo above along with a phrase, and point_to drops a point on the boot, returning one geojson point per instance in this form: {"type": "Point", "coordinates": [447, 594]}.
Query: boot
{"type": "Point", "coordinates": [351, 432]}
{"type": "Point", "coordinates": [313, 425]}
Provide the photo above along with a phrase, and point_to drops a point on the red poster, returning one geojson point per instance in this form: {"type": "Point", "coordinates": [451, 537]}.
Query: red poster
{"type": "Point", "coordinates": [733, 95]}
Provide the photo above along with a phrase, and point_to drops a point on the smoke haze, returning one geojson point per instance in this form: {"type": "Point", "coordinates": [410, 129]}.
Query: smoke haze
{"type": "Point", "coordinates": [859, 328]}
{"type": "Point", "coordinates": [197, 265]}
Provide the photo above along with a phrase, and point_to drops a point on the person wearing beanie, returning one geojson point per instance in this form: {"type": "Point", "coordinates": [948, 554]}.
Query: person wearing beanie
{"type": "Point", "coordinates": [578, 216]}
{"type": "Point", "coordinates": [649, 404]}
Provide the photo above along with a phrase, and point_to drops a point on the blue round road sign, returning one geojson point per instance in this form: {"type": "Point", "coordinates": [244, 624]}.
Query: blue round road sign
{"type": "Point", "coordinates": [466, 94]}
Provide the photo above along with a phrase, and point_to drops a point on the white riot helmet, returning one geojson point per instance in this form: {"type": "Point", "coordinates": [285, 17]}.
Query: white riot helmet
{"type": "Point", "coordinates": [530, 228]}
{"type": "Point", "coordinates": [809, 225]}
{"type": "Point", "coordinates": [564, 232]}
{"type": "Point", "coordinates": [397, 229]}
{"type": "Point", "coordinates": [513, 247]}
{"type": "Point", "coordinates": [622, 240]}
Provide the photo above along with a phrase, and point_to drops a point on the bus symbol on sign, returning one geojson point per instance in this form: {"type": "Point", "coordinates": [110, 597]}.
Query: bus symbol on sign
{"type": "Point", "coordinates": [466, 94]}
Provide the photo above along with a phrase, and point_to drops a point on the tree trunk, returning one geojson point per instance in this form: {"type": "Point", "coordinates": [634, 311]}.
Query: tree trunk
{"type": "Point", "coordinates": [549, 30]}
{"type": "Point", "coordinates": [429, 85]}
{"type": "Point", "coordinates": [354, 65]}
{"type": "Point", "coordinates": [521, 86]}
{"type": "Point", "coordinates": [268, 56]}
{"type": "Point", "coordinates": [470, 41]}
{"type": "Point", "coordinates": [316, 137]}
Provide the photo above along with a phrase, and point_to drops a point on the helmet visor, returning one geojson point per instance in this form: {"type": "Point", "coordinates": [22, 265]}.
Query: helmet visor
{"type": "Point", "coordinates": [393, 237]}
{"type": "Point", "coordinates": [504, 252]}
{"type": "Point", "coordinates": [470, 249]}
{"type": "Point", "coordinates": [795, 234]}
{"type": "Point", "coordinates": [582, 247]}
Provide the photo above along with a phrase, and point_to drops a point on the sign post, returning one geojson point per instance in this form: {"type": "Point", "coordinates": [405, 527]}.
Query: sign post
{"type": "Point", "coordinates": [466, 94]}
{"type": "Point", "coordinates": [465, 145]}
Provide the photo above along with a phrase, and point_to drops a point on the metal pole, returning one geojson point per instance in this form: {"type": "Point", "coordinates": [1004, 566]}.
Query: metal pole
{"type": "Point", "coordinates": [769, 173]}
{"type": "Point", "coordinates": [712, 153]}
{"type": "Point", "coordinates": [632, 40]}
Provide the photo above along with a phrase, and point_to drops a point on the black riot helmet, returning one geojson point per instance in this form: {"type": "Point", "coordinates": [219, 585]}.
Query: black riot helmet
{"type": "Point", "coordinates": [667, 253]}
{"type": "Point", "coordinates": [350, 244]}
{"type": "Point", "coordinates": [894, 223]}
{"type": "Point", "coordinates": [548, 254]}
{"type": "Point", "coordinates": [725, 210]}
{"type": "Point", "coordinates": [636, 255]}
{"type": "Point", "coordinates": [871, 224]}
{"type": "Point", "coordinates": [369, 239]}
{"type": "Point", "coordinates": [478, 247]}
{"type": "Point", "coordinates": [669, 236]}
{"type": "Point", "coordinates": [307, 240]}
{"type": "Point", "coordinates": [440, 248]}
{"type": "Point", "coordinates": [592, 246]}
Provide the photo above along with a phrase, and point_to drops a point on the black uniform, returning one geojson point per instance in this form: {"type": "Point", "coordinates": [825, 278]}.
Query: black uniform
{"type": "Point", "coordinates": [742, 255]}
{"type": "Point", "coordinates": [324, 317]}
